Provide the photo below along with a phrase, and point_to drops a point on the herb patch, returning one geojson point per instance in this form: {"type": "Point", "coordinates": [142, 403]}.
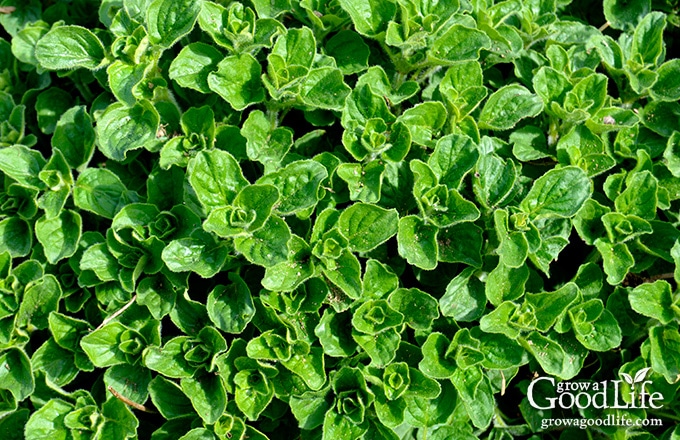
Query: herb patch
{"type": "Point", "coordinates": [357, 219]}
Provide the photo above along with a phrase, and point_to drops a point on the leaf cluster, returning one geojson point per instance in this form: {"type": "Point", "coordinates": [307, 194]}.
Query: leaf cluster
{"type": "Point", "coordinates": [354, 219]}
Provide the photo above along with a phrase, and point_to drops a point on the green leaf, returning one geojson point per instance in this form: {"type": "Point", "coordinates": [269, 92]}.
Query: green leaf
{"type": "Point", "coordinates": [665, 351]}
{"type": "Point", "coordinates": [253, 393]}
{"type": "Point", "coordinates": [425, 413]}
{"type": "Point", "coordinates": [661, 117]}
{"type": "Point", "coordinates": [308, 363]}
{"type": "Point", "coordinates": [16, 375]}
{"type": "Point", "coordinates": [207, 395]}
{"type": "Point", "coordinates": [48, 422]}
{"type": "Point", "coordinates": [557, 354]}
{"type": "Point", "coordinates": [124, 79]}
{"type": "Point", "coordinates": [271, 9]}
{"type": "Point", "coordinates": [381, 348]}
{"type": "Point", "coordinates": [49, 106]}
{"type": "Point", "coordinates": [506, 283]}
{"type": "Point", "coordinates": [654, 300]}
{"type": "Point", "coordinates": [462, 87]}
{"type": "Point", "coordinates": [296, 47]}
{"type": "Point", "coordinates": [334, 333]}
{"type": "Point", "coordinates": [367, 226]}
{"type": "Point", "coordinates": [551, 85]}
{"type": "Point", "coordinates": [625, 15]}
{"type": "Point", "coordinates": [299, 185]}
{"type": "Point", "coordinates": [374, 316]}
{"type": "Point", "coordinates": [340, 427]}
{"type": "Point", "coordinates": [460, 243]}
{"type": "Point", "coordinates": [237, 80]}
{"type": "Point", "coordinates": [507, 106]}
{"type": "Point", "coordinates": [544, 309]}
{"type": "Point", "coordinates": [559, 192]}
{"type": "Point", "coordinates": [514, 249]}
{"type": "Point", "coordinates": [417, 242]}
{"type": "Point", "coordinates": [216, 177]}
{"type": "Point", "coordinates": [157, 293]}
{"type": "Point", "coordinates": [438, 362]}
{"type": "Point", "coordinates": [169, 360]}
{"type": "Point", "coordinates": [59, 236]}
{"type": "Point", "coordinates": [675, 254]}
{"type": "Point", "coordinates": [121, 129]}
{"type": "Point", "coordinates": [193, 64]}
{"type": "Point", "coordinates": [130, 381]}
{"type": "Point", "coordinates": [640, 196]}
{"type": "Point", "coordinates": [588, 94]}
{"type": "Point", "coordinates": [74, 136]}
{"type": "Point", "coordinates": [57, 175]}
{"type": "Point", "coordinates": [231, 307]}
{"type": "Point", "coordinates": [377, 79]}
{"type": "Point", "coordinates": [16, 237]}
{"type": "Point", "coordinates": [617, 260]}
{"type": "Point", "coordinates": [267, 246]}
{"type": "Point", "coordinates": [324, 88]}
{"type": "Point", "coordinates": [169, 398]}
{"type": "Point", "coordinates": [250, 211]}
{"type": "Point", "coordinates": [454, 156]}
{"type": "Point", "coordinates": [459, 43]}
{"type": "Point", "coordinates": [370, 17]}
{"type": "Point", "coordinates": [266, 144]}
{"type": "Point", "coordinates": [419, 308]}
{"type": "Point", "coordinates": [379, 280]}
{"type": "Point", "coordinates": [648, 44]}
{"type": "Point", "coordinates": [499, 350]}
{"type": "Point", "coordinates": [497, 321]}
{"type": "Point", "coordinates": [40, 298]}
{"type": "Point", "coordinates": [345, 273]}
{"type": "Point", "coordinates": [102, 346]}
{"type": "Point", "coordinates": [309, 408]}
{"type": "Point", "coordinates": [595, 327]}
{"type": "Point", "coordinates": [495, 180]}
{"type": "Point", "coordinates": [70, 47]}
{"type": "Point", "coordinates": [66, 330]}
{"type": "Point", "coordinates": [170, 20]}
{"type": "Point", "coordinates": [349, 50]}
{"type": "Point", "coordinates": [424, 121]}
{"type": "Point", "coordinates": [363, 180]}
{"type": "Point", "coordinates": [269, 347]}
{"type": "Point", "coordinates": [672, 154]}
{"type": "Point", "coordinates": [621, 228]}
{"type": "Point", "coordinates": [464, 299]}
{"type": "Point", "coordinates": [612, 118]}
{"type": "Point", "coordinates": [475, 391]}
{"type": "Point", "coordinates": [588, 221]}
{"type": "Point", "coordinates": [13, 424]}
{"type": "Point", "coordinates": [98, 259]}
{"type": "Point", "coordinates": [199, 253]}
{"type": "Point", "coordinates": [198, 434]}
{"type": "Point", "coordinates": [23, 165]}
{"type": "Point", "coordinates": [447, 208]}
{"type": "Point", "coordinates": [667, 86]}
{"type": "Point", "coordinates": [24, 42]}
{"type": "Point", "coordinates": [286, 276]}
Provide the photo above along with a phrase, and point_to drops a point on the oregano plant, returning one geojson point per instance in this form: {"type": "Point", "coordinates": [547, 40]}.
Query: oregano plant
{"type": "Point", "coordinates": [342, 220]}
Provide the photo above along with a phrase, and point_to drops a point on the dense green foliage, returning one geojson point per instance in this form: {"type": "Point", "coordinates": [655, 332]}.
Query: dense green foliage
{"type": "Point", "coordinates": [355, 219]}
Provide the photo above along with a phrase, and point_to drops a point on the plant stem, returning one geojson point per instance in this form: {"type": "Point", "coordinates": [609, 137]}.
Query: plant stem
{"type": "Point", "coordinates": [118, 312]}
{"type": "Point", "coordinates": [661, 276]}
{"type": "Point", "coordinates": [665, 415]}
{"type": "Point", "coordinates": [129, 402]}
